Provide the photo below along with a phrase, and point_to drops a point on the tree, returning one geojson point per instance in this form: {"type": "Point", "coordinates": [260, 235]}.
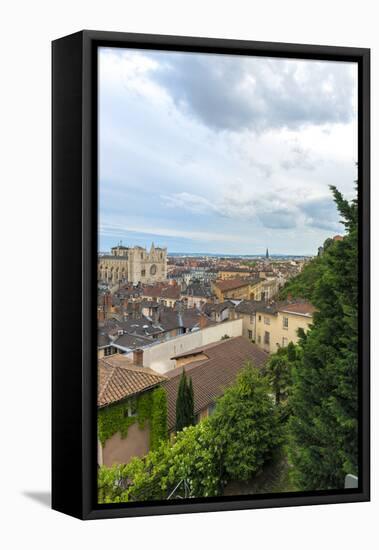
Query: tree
{"type": "Point", "coordinates": [191, 457]}
{"type": "Point", "coordinates": [191, 403]}
{"type": "Point", "coordinates": [303, 285]}
{"type": "Point", "coordinates": [245, 425]}
{"type": "Point", "coordinates": [184, 404]}
{"type": "Point", "coordinates": [279, 374]}
{"type": "Point", "coordinates": [158, 429]}
{"type": "Point", "coordinates": [324, 422]}
{"type": "Point", "coordinates": [233, 443]}
{"type": "Point", "coordinates": [291, 352]}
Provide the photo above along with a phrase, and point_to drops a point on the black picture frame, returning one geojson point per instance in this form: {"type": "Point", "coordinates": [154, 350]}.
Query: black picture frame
{"type": "Point", "coordinates": [74, 206]}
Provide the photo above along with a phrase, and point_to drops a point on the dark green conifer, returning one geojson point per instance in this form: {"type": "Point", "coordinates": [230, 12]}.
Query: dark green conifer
{"type": "Point", "coordinates": [324, 399]}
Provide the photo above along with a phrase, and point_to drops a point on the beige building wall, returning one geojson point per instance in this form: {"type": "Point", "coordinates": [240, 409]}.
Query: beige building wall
{"type": "Point", "coordinates": [225, 275]}
{"type": "Point", "coordinates": [281, 329]}
{"type": "Point", "coordinates": [158, 356]}
{"type": "Point", "coordinates": [120, 451]}
{"type": "Point", "coordinates": [196, 301]}
{"type": "Point", "coordinates": [246, 292]}
{"type": "Point", "coordinates": [248, 326]}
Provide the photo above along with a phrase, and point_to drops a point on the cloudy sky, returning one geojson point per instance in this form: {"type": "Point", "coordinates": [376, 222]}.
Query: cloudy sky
{"type": "Point", "coordinates": [223, 154]}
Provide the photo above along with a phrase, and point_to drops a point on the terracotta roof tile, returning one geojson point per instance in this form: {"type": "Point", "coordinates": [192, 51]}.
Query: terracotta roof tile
{"type": "Point", "coordinates": [231, 284]}
{"type": "Point", "coordinates": [302, 308]}
{"type": "Point", "coordinates": [118, 378]}
{"type": "Point", "coordinates": [211, 376]}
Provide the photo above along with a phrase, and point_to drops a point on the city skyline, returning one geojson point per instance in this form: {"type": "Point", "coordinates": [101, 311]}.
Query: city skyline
{"type": "Point", "coordinates": [223, 155]}
{"type": "Point", "coordinates": [203, 253]}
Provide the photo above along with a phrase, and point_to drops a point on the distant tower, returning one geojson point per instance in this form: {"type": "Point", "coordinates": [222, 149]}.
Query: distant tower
{"type": "Point", "coordinates": [267, 256]}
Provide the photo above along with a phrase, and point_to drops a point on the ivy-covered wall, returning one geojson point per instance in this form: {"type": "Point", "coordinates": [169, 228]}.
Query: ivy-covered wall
{"type": "Point", "coordinates": [150, 406]}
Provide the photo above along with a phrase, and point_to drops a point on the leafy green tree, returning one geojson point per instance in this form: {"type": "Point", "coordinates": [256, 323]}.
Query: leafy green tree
{"type": "Point", "coordinates": [158, 429]}
{"type": "Point", "coordinates": [291, 352]}
{"type": "Point", "coordinates": [191, 459]}
{"type": "Point", "coordinates": [233, 443]}
{"type": "Point", "coordinates": [324, 422]}
{"type": "Point", "coordinates": [245, 425]}
{"type": "Point", "coordinates": [279, 374]}
{"type": "Point", "coordinates": [184, 404]}
{"type": "Point", "coordinates": [194, 458]}
{"type": "Point", "coordinates": [304, 284]}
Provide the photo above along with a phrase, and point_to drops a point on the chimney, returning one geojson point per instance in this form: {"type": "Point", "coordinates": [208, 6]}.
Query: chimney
{"type": "Point", "coordinates": [155, 315]}
{"type": "Point", "coordinates": [138, 357]}
{"type": "Point", "coordinates": [135, 309]}
{"type": "Point", "coordinates": [108, 301]}
{"type": "Point", "coordinates": [100, 314]}
{"type": "Point", "coordinates": [202, 322]}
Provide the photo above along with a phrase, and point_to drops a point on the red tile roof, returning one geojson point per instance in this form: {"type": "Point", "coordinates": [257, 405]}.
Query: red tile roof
{"type": "Point", "coordinates": [231, 284]}
{"type": "Point", "coordinates": [211, 376]}
{"type": "Point", "coordinates": [301, 308]}
{"type": "Point", "coordinates": [118, 378]}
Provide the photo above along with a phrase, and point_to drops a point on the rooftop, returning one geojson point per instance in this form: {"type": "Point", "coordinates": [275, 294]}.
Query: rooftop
{"type": "Point", "coordinates": [118, 379]}
{"type": "Point", "coordinates": [213, 374]}
{"type": "Point", "coordinates": [161, 291]}
{"type": "Point", "coordinates": [248, 306]}
{"type": "Point", "coordinates": [232, 284]}
{"type": "Point", "coordinates": [132, 341]}
{"type": "Point", "coordinates": [299, 308]}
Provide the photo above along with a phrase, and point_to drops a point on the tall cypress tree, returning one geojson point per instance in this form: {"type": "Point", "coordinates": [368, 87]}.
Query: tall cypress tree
{"type": "Point", "coordinates": [184, 404]}
{"type": "Point", "coordinates": [279, 374]}
{"type": "Point", "coordinates": [324, 424]}
{"type": "Point", "coordinates": [191, 403]}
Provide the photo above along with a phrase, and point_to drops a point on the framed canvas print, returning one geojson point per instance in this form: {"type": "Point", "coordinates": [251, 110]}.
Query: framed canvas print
{"type": "Point", "coordinates": [210, 274]}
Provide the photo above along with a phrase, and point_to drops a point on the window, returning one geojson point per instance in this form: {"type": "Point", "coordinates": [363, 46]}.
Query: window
{"type": "Point", "coordinates": [285, 323]}
{"type": "Point", "coordinates": [211, 409]}
{"type": "Point", "coordinates": [143, 272]}
{"type": "Point", "coordinates": [284, 342]}
{"type": "Point", "coordinates": [250, 334]}
{"type": "Point", "coordinates": [131, 409]}
{"type": "Point", "coordinates": [267, 337]}
{"type": "Point", "coordinates": [259, 318]}
{"type": "Point", "coordinates": [266, 320]}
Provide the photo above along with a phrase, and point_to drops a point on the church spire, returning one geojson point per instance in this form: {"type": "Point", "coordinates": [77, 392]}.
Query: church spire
{"type": "Point", "coordinates": [267, 256]}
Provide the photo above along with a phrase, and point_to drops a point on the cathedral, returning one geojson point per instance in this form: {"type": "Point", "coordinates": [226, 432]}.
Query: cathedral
{"type": "Point", "coordinates": [133, 265]}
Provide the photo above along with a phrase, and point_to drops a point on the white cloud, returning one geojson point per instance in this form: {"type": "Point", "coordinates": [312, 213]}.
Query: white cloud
{"type": "Point", "coordinates": [168, 171]}
{"type": "Point", "coordinates": [120, 230]}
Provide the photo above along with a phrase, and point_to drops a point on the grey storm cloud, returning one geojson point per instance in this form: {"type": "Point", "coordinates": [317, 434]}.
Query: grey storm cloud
{"type": "Point", "coordinates": [271, 211]}
{"type": "Point", "coordinates": [321, 213]}
{"type": "Point", "coordinates": [236, 93]}
{"type": "Point", "coordinates": [277, 219]}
